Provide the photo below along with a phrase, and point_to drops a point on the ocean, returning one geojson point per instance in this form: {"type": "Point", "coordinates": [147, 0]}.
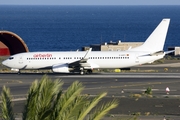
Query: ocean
{"type": "Point", "coordinates": [64, 28]}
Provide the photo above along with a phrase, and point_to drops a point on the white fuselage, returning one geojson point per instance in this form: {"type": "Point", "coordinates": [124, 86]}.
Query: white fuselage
{"type": "Point", "coordinates": [109, 59]}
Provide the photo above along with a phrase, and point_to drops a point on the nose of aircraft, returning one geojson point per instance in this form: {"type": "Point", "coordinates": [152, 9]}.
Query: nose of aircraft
{"type": "Point", "coordinates": [5, 63]}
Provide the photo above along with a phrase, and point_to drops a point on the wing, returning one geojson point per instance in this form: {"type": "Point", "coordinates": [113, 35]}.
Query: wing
{"type": "Point", "coordinates": [81, 63]}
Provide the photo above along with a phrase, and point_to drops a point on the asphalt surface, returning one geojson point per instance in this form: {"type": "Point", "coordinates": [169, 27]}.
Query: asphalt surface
{"type": "Point", "coordinates": [126, 87]}
{"type": "Point", "coordinates": [157, 76]}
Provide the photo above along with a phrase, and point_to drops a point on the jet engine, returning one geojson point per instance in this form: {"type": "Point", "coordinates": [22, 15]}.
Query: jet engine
{"type": "Point", "coordinates": [61, 68]}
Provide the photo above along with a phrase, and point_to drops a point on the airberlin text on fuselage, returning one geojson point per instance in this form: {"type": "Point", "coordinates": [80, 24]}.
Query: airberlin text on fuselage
{"type": "Point", "coordinates": [42, 55]}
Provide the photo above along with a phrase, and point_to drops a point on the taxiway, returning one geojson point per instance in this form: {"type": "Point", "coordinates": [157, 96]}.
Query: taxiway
{"type": "Point", "coordinates": [114, 84]}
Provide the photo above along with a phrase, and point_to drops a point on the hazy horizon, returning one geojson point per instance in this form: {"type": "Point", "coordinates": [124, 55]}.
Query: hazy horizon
{"type": "Point", "coordinates": [92, 2]}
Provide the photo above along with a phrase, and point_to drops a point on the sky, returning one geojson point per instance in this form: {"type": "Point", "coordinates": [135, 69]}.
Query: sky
{"type": "Point", "coordinates": [89, 2]}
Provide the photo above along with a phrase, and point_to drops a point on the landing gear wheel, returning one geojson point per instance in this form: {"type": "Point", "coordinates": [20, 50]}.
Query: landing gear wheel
{"type": "Point", "coordinates": [82, 72]}
{"type": "Point", "coordinates": [89, 71]}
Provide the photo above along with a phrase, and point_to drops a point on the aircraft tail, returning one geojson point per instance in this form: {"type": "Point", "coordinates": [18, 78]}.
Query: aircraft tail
{"type": "Point", "coordinates": [155, 42]}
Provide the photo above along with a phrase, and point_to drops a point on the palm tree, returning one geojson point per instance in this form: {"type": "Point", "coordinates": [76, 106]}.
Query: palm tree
{"type": "Point", "coordinates": [47, 101]}
{"type": "Point", "coordinates": [6, 105]}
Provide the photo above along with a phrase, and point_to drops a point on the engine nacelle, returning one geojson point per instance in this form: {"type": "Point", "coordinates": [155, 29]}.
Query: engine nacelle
{"type": "Point", "coordinates": [60, 68]}
{"type": "Point", "coordinates": [12, 69]}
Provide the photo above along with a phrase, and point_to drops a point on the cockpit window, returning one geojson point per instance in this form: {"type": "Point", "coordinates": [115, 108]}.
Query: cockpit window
{"type": "Point", "coordinates": [10, 58]}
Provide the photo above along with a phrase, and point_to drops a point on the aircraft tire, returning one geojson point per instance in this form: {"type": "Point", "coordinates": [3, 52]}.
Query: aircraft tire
{"type": "Point", "coordinates": [82, 72]}
{"type": "Point", "coordinates": [89, 71]}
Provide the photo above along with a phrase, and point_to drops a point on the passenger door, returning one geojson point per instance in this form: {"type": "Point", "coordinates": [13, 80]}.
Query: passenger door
{"type": "Point", "coordinates": [21, 60]}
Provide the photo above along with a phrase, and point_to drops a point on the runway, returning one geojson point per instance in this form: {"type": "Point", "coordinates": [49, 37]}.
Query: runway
{"type": "Point", "coordinates": [114, 84]}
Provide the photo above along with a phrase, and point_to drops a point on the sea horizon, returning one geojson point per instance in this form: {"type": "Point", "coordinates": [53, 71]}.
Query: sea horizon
{"type": "Point", "coordinates": [70, 27]}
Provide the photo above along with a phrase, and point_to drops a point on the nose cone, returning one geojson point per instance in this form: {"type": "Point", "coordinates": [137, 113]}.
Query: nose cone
{"type": "Point", "coordinates": [5, 63]}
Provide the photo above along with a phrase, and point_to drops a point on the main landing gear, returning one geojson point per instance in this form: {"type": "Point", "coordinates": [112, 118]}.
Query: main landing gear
{"type": "Point", "coordinates": [82, 71]}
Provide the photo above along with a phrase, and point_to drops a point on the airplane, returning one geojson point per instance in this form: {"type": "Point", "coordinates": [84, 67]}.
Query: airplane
{"type": "Point", "coordinates": [84, 62]}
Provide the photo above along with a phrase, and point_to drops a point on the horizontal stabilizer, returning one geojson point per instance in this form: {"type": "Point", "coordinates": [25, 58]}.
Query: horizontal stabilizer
{"type": "Point", "coordinates": [157, 53]}
{"type": "Point", "coordinates": [167, 52]}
